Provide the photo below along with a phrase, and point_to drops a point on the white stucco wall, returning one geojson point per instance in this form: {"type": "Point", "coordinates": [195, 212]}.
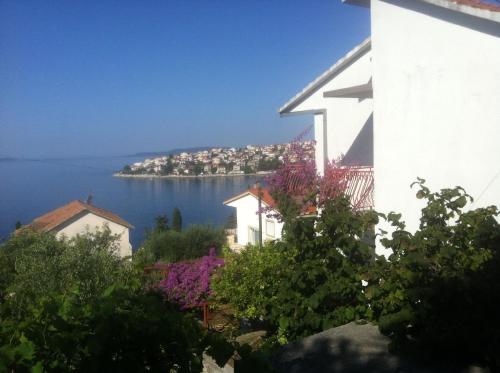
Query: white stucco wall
{"type": "Point", "coordinates": [338, 121]}
{"type": "Point", "coordinates": [91, 223]}
{"type": "Point", "coordinates": [246, 214]}
{"type": "Point", "coordinates": [436, 78]}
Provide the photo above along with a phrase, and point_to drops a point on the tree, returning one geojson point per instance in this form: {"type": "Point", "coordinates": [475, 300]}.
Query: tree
{"type": "Point", "coordinates": [169, 167]}
{"type": "Point", "coordinates": [161, 223]}
{"type": "Point", "coordinates": [172, 246]}
{"type": "Point", "coordinates": [18, 225]}
{"type": "Point", "coordinates": [231, 221]}
{"type": "Point", "coordinates": [248, 169]}
{"type": "Point", "coordinates": [198, 168]}
{"type": "Point", "coordinates": [176, 220]}
{"type": "Point", "coordinates": [127, 169]}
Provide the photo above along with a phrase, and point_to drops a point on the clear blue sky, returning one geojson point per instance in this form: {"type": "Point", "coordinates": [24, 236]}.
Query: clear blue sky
{"type": "Point", "coordinates": [118, 77]}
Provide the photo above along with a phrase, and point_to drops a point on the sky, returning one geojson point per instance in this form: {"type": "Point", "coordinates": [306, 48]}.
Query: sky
{"type": "Point", "coordinates": [110, 77]}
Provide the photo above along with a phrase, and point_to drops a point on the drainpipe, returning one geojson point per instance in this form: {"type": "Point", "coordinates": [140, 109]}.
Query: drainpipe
{"type": "Point", "coordinates": [259, 195]}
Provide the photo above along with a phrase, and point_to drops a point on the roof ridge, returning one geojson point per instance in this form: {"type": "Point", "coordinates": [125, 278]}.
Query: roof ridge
{"type": "Point", "coordinates": [323, 78]}
{"type": "Point", "coordinates": [58, 216]}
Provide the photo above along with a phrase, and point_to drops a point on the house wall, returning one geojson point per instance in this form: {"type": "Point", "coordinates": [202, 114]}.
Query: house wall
{"type": "Point", "coordinates": [436, 78]}
{"type": "Point", "coordinates": [90, 222]}
{"type": "Point", "coordinates": [343, 118]}
{"type": "Point", "coordinates": [246, 214]}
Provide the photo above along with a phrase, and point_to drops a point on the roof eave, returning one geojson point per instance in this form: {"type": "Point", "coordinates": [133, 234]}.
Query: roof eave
{"type": "Point", "coordinates": [466, 9]}
{"type": "Point", "coordinates": [363, 3]}
{"type": "Point", "coordinates": [347, 59]}
{"type": "Point", "coordinates": [242, 195]}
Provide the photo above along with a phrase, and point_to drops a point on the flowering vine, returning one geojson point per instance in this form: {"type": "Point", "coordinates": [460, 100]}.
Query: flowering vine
{"type": "Point", "coordinates": [188, 283]}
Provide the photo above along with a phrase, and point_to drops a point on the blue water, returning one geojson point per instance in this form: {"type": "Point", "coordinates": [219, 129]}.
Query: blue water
{"type": "Point", "coordinates": [31, 188]}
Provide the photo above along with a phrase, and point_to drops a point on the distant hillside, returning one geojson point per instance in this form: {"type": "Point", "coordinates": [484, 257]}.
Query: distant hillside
{"type": "Point", "coordinates": [6, 158]}
{"type": "Point", "coordinates": [173, 151]}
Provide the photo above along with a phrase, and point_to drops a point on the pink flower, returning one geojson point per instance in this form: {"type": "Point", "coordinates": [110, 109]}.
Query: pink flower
{"type": "Point", "coordinates": [188, 283]}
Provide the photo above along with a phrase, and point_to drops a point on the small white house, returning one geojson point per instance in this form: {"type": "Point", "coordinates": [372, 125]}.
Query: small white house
{"type": "Point", "coordinates": [247, 215]}
{"type": "Point", "coordinates": [419, 98]}
{"type": "Point", "coordinates": [78, 218]}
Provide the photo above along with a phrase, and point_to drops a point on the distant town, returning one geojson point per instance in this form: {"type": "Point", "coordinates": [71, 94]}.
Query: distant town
{"type": "Point", "coordinates": [252, 159]}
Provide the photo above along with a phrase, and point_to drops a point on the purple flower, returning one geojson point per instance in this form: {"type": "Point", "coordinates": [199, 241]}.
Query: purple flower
{"type": "Point", "coordinates": [188, 283]}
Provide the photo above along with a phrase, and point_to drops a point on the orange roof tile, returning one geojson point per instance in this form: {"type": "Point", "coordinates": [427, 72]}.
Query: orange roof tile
{"type": "Point", "coordinates": [55, 218]}
{"type": "Point", "coordinates": [478, 4]}
{"type": "Point", "coordinates": [266, 198]}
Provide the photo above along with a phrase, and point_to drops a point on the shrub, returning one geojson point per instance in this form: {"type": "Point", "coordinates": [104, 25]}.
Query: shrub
{"type": "Point", "coordinates": [188, 283]}
{"type": "Point", "coordinates": [308, 282]}
{"type": "Point", "coordinates": [72, 305]}
{"type": "Point", "coordinates": [250, 279]}
{"type": "Point", "coordinates": [34, 265]}
{"type": "Point", "coordinates": [172, 246]}
{"type": "Point", "coordinates": [439, 291]}
{"type": "Point", "coordinates": [122, 330]}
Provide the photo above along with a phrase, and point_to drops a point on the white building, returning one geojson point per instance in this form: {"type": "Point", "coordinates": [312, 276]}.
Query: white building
{"type": "Point", "coordinates": [78, 218]}
{"type": "Point", "coordinates": [247, 208]}
{"type": "Point", "coordinates": [420, 98]}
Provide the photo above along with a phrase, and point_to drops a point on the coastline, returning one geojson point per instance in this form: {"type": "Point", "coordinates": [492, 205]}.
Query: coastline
{"type": "Point", "coordinates": [153, 176]}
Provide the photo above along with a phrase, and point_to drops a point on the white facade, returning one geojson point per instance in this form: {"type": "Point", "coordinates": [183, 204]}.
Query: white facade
{"type": "Point", "coordinates": [248, 221]}
{"type": "Point", "coordinates": [90, 222]}
{"type": "Point", "coordinates": [436, 83]}
{"type": "Point", "coordinates": [342, 125]}
{"type": "Point", "coordinates": [434, 67]}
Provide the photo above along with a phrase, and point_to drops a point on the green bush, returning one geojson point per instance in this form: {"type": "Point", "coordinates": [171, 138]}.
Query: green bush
{"type": "Point", "coordinates": [173, 246]}
{"type": "Point", "coordinates": [34, 265]}
{"type": "Point", "coordinates": [121, 330]}
{"type": "Point", "coordinates": [309, 281]}
{"type": "Point", "coordinates": [439, 291]}
{"type": "Point", "coordinates": [249, 280]}
{"type": "Point", "coordinates": [72, 305]}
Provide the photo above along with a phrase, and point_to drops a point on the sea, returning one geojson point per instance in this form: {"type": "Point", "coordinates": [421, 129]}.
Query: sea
{"type": "Point", "coordinates": [30, 188]}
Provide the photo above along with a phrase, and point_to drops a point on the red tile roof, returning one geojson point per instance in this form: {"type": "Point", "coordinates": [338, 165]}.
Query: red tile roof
{"type": "Point", "coordinates": [266, 198]}
{"type": "Point", "coordinates": [265, 195]}
{"type": "Point", "coordinates": [55, 218]}
{"type": "Point", "coordinates": [478, 4]}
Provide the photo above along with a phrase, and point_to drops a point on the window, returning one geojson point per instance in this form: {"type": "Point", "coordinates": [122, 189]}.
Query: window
{"type": "Point", "coordinates": [270, 229]}
{"type": "Point", "coordinates": [253, 235]}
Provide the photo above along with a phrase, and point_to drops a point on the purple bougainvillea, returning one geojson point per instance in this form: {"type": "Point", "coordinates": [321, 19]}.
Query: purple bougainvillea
{"type": "Point", "coordinates": [188, 283]}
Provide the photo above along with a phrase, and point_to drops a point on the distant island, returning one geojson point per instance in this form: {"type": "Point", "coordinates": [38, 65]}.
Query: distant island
{"type": "Point", "coordinates": [170, 152]}
{"type": "Point", "coordinates": [250, 160]}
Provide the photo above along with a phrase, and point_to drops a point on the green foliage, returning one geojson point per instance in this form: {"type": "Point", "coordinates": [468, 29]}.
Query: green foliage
{"type": "Point", "coordinates": [248, 169]}
{"type": "Point", "coordinates": [73, 305]}
{"type": "Point", "coordinates": [173, 246]}
{"type": "Point", "coordinates": [249, 279]}
{"type": "Point", "coordinates": [121, 330]}
{"type": "Point", "coordinates": [232, 221]}
{"type": "Point", "coordinates": [439, 291]}
{"type": "Point", "coordinates": [268, 164]}
{"type": "Point", "coordinates": [168, 168]}
{"type": "Point", "coordinates": [176, 220]}
{"type": "Point", "coordinates": [33, 265]}
{"type": "Point", "coordinates": [197, 168]}
{"type": "Point", "coordinates": [161, 223]}
{"type": "Point", "coordinates": [308, 282]}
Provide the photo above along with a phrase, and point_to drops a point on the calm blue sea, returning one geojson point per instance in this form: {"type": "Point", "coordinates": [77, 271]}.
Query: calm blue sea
{"type": "Point", "coordinates": [31, 188]}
